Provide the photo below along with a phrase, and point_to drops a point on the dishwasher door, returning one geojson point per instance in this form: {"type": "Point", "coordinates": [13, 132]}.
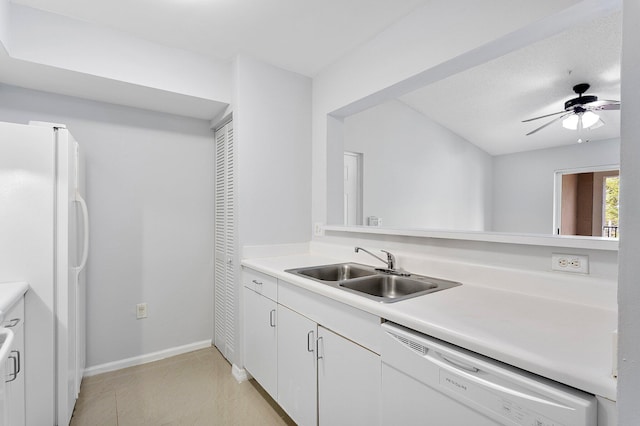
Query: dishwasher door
{"type": "Point", "coordinates": [429, 382]}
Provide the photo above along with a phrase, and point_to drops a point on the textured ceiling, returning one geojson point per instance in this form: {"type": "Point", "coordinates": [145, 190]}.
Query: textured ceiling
{"type": "Point", "coordinates": [299, 35]}
{"type": "Point", "coordinates": [486, 104]}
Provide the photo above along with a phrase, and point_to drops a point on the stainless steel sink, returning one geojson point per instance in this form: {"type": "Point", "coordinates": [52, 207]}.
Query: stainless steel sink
{"type": "Point", "coordinates": [393, 288]}
{"type": "Point", "coordinates": [371, 283]}
{"type": "Point", "coordinates": [389, 286]}
{"type": "Point", "coordinates": [337, 272]}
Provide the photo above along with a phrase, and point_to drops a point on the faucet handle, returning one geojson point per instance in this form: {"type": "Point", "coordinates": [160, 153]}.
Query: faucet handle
{"type": "Point", "coordinates": [391, 259]}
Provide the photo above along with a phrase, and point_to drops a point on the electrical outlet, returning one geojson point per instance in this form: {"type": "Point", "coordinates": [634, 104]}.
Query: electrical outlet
{"type": "Point", "coordinates": [141, 310]}
{"type": "Point", "coordinates": [317, 229]}
{"type": "Point", "coordinates": [570, 263]}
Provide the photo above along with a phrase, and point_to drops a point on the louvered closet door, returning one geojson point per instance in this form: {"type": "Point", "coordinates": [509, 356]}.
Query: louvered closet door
{"type": "Point", "coordinates": [224, 240]}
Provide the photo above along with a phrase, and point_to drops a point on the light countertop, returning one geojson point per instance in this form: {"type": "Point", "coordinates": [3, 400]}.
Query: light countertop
{"type": "Point", "coordinates": [10, 293]}
{"type": "Point", "coordinates": [566, 342]}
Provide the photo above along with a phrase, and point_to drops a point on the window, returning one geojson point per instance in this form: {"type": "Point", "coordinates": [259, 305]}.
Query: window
{"type": "Point", "coordinates": [587, 202]}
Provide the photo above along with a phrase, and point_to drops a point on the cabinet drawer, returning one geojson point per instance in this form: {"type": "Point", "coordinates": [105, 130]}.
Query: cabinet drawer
{"type": "Point", "coordinates": [260, 283]}
{"type": "Point", "coordinates": [15, 316]}
{"type": "Point", "coordinates": [359, 326]}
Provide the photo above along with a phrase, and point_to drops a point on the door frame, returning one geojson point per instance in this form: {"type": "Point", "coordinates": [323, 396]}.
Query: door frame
{"type": "Point", "coordinates": [557, 189]}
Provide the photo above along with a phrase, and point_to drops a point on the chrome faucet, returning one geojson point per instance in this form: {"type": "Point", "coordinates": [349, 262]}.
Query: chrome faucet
{"type": "Point", "coordinates": [391, 262]}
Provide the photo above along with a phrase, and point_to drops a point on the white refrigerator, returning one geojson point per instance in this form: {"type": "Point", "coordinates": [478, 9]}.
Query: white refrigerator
{"type": "Point", "coordinates": [44, 235]}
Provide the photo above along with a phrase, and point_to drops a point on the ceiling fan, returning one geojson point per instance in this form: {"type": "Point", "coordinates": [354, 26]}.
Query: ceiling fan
{"type": "Point", "coordinates": [578, 112]}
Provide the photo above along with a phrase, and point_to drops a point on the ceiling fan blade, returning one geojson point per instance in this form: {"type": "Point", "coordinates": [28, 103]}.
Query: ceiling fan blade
{"type": "Point", "coordinates": [602, 103]}
{"type": "Point", "coordinates": [543, 116]}
{"type": "Point", "coordinates": [606, 107]}
{"type": "Point", "coordinates": [550, 122]}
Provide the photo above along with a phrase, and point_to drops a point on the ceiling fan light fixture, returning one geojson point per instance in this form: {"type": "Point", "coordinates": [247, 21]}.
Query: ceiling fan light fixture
{"type": "Point", "coordinates": [582, 120]}
{"type": "Point", "coordinates": [590, 119]}
{"type": "Point", "coordinates": [571, 122]}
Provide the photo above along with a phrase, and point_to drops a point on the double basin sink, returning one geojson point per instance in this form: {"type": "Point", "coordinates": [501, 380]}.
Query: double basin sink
{"type": "Point", "coordinates": [373, 284]}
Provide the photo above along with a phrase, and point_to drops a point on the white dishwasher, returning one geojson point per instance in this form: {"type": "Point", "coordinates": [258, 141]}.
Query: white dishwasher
{"type": "Point", "coordinates": [426, 381]}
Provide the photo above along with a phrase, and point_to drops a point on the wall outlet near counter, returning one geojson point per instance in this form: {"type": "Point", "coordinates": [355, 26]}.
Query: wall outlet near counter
{"type": "Point", "coordinates": [141, 310]}
{"type": "Point", "coordinates": [570, 263]}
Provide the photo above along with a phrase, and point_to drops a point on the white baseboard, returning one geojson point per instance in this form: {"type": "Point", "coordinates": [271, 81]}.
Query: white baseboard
{"type": "Point", "coordinates": [240, 374]}
{"type": "Point", "coordinates": [143, 359]}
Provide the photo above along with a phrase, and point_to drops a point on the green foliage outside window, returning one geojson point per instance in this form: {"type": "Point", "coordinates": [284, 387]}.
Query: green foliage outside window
{"type": "Point", "coordinates": [612, 185]}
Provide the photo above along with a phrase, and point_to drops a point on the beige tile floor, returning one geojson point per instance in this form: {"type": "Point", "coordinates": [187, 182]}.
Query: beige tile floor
{"type": "Point", "coordinates": [196, 388]}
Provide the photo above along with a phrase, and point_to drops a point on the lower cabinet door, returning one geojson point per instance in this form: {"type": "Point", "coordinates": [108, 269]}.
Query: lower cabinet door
{"type": "Point", "coordinates": [260, 342]}
{"type": "Point", "coordinates": [349, 379]}
{"type": "Point", "coordinates": [297, 379]}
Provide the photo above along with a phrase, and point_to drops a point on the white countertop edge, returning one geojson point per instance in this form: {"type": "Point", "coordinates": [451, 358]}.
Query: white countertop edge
{"type": "Point", "coordinates": [593, 243]}
{"type": "Point", "coordinates": [10, 293]}
{"type": "Point", "coordinates": [600, 385]}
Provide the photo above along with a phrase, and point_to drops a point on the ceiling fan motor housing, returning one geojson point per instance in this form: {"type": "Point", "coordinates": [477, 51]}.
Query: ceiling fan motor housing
{"type": "Point", "coordinates": [579, 101]}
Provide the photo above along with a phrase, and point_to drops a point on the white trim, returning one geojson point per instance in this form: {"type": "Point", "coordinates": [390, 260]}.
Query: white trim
{"type": "Point", "coordinates": [240, 374]}
{"type": "Point", "coordinates": [144, 359]}
{"type": "Point", "coordinates": [568, 241]}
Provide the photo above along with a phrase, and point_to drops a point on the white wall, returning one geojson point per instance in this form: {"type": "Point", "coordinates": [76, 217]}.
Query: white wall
{"type": "Point", "coordinates": [523, 183]}
{"type": "Point", "coordinates": [629, 286]}
{"type": "Point", "coordinates": [272, 127]}
{"type": "Point", "coordinates": [418, 174]}
{"type": "Point", "coordinates": [272, 113]}
{"type": "Point", "coordinates": [150, 197]}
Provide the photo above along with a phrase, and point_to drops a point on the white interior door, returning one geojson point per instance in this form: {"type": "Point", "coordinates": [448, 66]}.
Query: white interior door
{"type": "Point", "coordinates": [352, 188]}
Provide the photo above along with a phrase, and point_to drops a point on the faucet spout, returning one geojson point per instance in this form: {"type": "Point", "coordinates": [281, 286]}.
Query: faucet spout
{"type": "Point", "coordinates": [390, 261]}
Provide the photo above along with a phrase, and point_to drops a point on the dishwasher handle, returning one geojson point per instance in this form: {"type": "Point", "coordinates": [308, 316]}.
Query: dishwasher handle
{"type": "Point", "coordinates": [459, 364]}
{"type": "Point", "coordinates": [473, 375]}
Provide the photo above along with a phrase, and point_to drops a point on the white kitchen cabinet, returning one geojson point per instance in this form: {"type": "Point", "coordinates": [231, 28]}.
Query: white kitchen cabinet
{"type": "Point", "coordinates": [349, 381]}
{"type": "Point", "coordinates": [297, 389]}
{"type": "Point", "coordinates": [320, 376]}
{"type": "Point", "coordinates": [15, 388]}
{"type": "Point", "coordinates": [260, 340]}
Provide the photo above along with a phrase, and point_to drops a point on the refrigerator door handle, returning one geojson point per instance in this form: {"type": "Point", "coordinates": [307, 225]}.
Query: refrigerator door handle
{"type": "Point", "coordinates": [85, 214]}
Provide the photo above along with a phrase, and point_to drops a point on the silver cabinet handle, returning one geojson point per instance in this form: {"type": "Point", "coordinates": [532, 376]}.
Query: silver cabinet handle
{"type": "Point", "coordinates": [16, 366]}
{"type": "Point", "coordinates": [318, 346]}
{"type": "Point", "coordinates": [13, 322]}
{"type": "Point", "coordinates": [272, 318]}
{"type": "Point", "coordinates": [257, 282]}
{"type": "Point", "coordinates": [310, 341]}
{"type": "Point", "coordinates": [19, 363]}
